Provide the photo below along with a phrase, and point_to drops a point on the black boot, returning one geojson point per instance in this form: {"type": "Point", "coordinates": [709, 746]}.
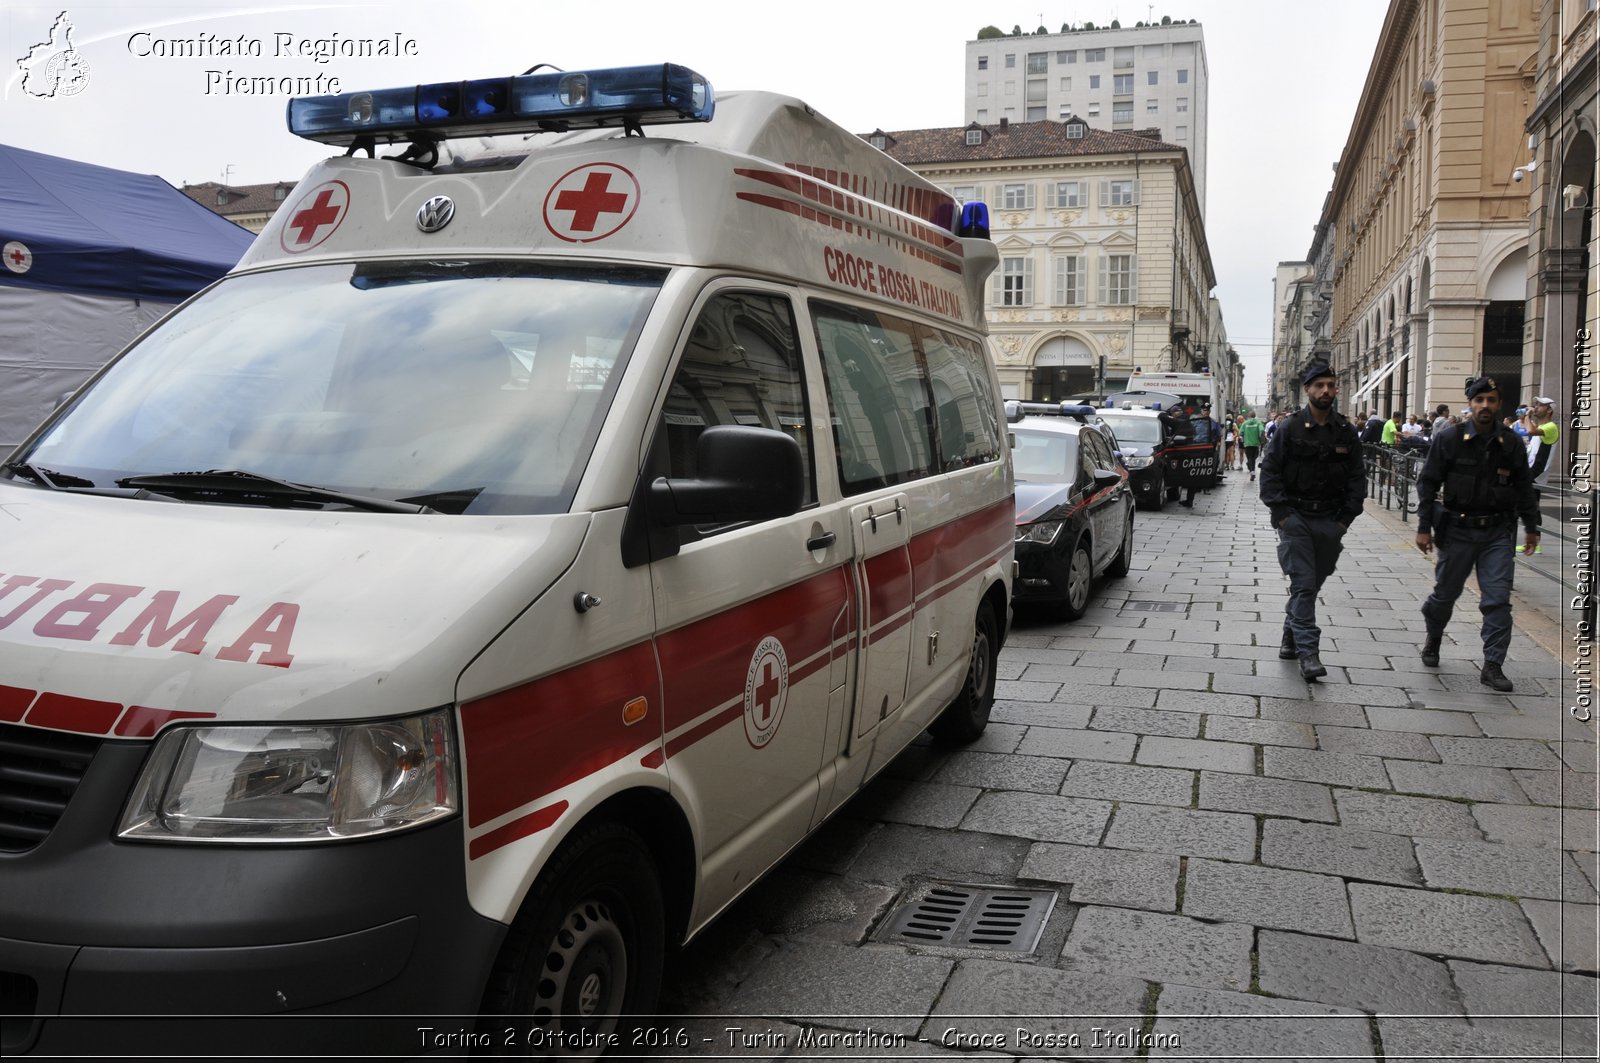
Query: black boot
{"type": "Point", "coordinates": [1492, 676]}
{"type": "Point", "coordinates": [1430, 650]}
{"type": "Point", "coordinates": [1286, 650]}
{"type": "Point", "coordinates": [1311, 668]}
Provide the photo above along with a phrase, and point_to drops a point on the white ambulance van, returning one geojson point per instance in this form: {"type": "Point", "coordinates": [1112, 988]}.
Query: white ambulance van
{"type": "Point", "coordinates": [525, 547]}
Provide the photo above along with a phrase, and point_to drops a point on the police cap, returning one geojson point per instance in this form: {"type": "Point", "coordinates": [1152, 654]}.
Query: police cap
{"type": "Point", "coordinates": [1313, 371]}
{"type": "Point", "coordinates": [1480, 385]}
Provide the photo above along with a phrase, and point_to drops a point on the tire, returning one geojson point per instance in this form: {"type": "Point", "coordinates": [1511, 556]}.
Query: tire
{"type": "Point", "coordinates": [1080, 574]}
{"type": "Point", "coordinates": [585, 951]}
{"type": "Point", "coordinates": [1121, 564]}
{"type": "Point", "coordinates": [1172, 494]}
{"type": "Point", "coordinates": [965, 718]}
{"type": "Point", "coordinates": [1152, 498]}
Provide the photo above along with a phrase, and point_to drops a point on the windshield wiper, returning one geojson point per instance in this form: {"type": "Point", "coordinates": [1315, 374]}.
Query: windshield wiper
{"type": "Point", "coordinates": [240, 482]}
{"type": "Point", "coordinates": [455, 500]}
{"type": "Point", "coordinates": [56, 481]}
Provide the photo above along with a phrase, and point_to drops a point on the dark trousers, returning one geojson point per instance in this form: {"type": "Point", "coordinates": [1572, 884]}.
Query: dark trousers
{"type": "Point", "coordinates": [1250, 454]}
{"type": "Point", "coordinates": [1491, 551]}
{"type": "Point", "coordinates": [1308, 550]}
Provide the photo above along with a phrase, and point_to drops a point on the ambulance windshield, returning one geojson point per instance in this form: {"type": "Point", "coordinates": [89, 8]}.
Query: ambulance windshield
{"type": "Point", "coordinates": [468, 387]}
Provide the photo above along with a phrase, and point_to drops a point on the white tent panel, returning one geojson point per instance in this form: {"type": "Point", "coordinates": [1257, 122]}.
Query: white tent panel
{"type": "Point", "coordinates": [50, 343]}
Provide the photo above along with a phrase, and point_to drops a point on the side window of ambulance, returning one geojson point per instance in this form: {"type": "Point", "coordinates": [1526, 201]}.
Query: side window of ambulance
{"type": "Point", "coordinates": [969, 427]}
{"type": "Point", "coordinates": [883, 414]}
{"type": "Point", "coordinates": [741, 365]}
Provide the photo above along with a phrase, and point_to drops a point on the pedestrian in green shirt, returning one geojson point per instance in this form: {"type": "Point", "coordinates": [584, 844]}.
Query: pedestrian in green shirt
{"type": "Point", "coordinates": [1252, 434]}
{"type": "Point", "coordinates": [1391, 430]}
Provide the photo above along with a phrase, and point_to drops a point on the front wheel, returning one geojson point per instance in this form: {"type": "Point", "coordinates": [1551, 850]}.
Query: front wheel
{"type": "Point", "coordinates": [966, 717]}
{"type": "Point", "coordinates": [585, 951]}
{"type": "Point", "coordinates": [1080, 573]}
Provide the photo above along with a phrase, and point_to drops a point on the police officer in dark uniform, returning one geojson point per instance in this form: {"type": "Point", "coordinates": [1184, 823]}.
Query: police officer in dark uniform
{"type": "Point", "coordinates": [1312, 481]}
{"type": "Point", "coordinates": [1482, 468]}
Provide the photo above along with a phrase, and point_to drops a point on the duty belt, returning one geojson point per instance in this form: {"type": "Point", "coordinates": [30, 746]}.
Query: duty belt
{"type": "Point", "coordinates": [1477, 520]}
{"type": "Point", "coordinates": [1315, 505]}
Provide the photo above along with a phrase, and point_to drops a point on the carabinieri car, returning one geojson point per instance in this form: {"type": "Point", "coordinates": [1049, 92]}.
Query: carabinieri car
{"type": "Point", "coordinates": [1144, 452]}
{"type": "Point", "coordinates": [1074, 504]}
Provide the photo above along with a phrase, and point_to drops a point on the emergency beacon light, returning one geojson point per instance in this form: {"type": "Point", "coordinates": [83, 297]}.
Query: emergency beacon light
{"type": "Point", "coordinates": [530, 103]}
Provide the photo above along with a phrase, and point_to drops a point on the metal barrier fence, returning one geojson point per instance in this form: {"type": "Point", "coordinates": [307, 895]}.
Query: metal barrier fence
{"type": "Point", "coordinates": [1392, 476]}
{"type": "Point", "coordinates": [1567, 518]}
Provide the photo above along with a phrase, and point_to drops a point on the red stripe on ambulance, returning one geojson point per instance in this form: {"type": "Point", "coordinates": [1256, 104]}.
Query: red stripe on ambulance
{"type": "Point", "coordinates": [62, 712]}
{"type": "Point", "coordinates": [536, 738]}
{"type": "Point", "coordinates": [531, 740]}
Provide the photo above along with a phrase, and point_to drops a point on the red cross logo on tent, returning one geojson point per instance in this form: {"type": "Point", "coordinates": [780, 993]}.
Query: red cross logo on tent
{"type": "Point", "coordinates": [591, 202]}
{"type": "Point", "coordinates": [766, 691]}
{"type": "Point", "coordinates": [17, 257]}
{"type": "Point", "coordinates": [315, 217]}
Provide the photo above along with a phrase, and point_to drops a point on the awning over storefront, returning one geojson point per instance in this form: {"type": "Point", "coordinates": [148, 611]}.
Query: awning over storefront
{"type": "Point", "coordinates": [1375, 379]}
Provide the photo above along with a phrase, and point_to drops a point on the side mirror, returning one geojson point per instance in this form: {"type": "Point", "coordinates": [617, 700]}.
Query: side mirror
{"type": "Point", "coordinates": [1106, 478]}
{"type": "Point", "coordinates": [744, 474]}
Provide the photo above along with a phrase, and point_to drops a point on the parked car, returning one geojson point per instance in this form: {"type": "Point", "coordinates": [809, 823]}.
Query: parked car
{"type": "Point", "coordinates": [1144, 452]}
{"type": "Point", "coordinates": [1074, 505]}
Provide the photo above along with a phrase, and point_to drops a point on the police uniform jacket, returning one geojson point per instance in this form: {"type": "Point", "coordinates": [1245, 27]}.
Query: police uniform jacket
{"type": "Point", "coordinates": [1480, 473]}
{"type": "Point", "coordinates": [1315, 469]}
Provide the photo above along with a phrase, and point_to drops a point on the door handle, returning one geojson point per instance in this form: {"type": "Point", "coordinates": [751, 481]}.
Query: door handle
{"type": "Point", "coordinates": [821, 542]}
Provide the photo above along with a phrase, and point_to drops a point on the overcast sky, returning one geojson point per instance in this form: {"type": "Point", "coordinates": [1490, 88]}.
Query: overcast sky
{"type": "Point", "coordinates": [1285, 79]}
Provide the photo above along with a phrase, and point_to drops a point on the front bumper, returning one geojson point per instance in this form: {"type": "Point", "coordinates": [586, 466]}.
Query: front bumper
{"type": "Point", "coordinates": [1042, 569]}
{"type": "Point", "coordinates": [1146, 483]}
{"type": "Point", "coordinates": [103, 942]}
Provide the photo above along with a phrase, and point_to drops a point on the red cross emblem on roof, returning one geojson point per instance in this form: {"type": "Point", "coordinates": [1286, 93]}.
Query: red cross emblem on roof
{"type": "Point", "coordinates": [315, 217]}
{"type": "Point", "coordinates": [17, 257]}
{"type": "Point", "coordinates": [591, 202]}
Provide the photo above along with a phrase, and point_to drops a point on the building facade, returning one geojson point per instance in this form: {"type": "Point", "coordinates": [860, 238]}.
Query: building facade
{"type": "Point", "coordinates": [1427, 220]}
{"type": "Point", "coordinates": [1147, 76]}
{"type": "Point", "coordinates": [1291, 283]}
{"type": "Point", "coordinates": [1563, 309]}
{"type": "Point", "coordinates": [249, 206]}
{"type": "Point", "coordinates": [1104, 265]}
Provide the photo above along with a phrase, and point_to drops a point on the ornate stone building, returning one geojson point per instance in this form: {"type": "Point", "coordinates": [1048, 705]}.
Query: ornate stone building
{"type": "Point", "coordinates": [1427, 220]}
{"type": "Point", "coordinates": [1104, 265]}
{"type": "Point", "coordinates": [1563, 311]}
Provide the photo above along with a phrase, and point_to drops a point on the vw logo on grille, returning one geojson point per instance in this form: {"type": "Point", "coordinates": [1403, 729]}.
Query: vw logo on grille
{"type": "Point", "coordinates": [435, 214]}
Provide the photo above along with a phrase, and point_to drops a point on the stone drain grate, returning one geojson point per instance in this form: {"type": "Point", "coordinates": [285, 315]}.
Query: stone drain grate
{"type": "Point", "coordinates": [1155, 607]}
{"type": "Point", "coordinates": [991, 918]}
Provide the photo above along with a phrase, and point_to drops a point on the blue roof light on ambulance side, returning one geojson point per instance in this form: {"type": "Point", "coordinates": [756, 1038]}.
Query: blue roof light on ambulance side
{"type": "Point", "coordinates": [974, 220]}
{"type": "Point", "coordinates": [628, 97]}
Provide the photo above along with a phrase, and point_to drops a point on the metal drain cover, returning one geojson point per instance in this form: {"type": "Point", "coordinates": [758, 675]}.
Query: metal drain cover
{"type": "Point", "coordinates": [1156, 607]}
{"type": "Point", "coordinates": [992, 918]}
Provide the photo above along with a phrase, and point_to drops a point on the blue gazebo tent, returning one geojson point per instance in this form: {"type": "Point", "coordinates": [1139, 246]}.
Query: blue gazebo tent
{"type": "Point", "coordinates": [89, 258]}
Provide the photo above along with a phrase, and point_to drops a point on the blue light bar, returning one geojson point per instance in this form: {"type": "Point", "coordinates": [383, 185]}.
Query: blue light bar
{"type": "Point", "coordinates": [532, 103]}
{"type": "Point", "coordinates": [974, 220]}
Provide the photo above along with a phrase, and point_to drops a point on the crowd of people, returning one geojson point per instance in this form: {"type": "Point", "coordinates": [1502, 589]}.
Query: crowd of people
{"type": "Point", "coordinates": [1535, 424]}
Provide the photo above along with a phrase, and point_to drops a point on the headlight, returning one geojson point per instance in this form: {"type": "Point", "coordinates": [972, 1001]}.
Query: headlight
{"type": "Point", "coordinates": [295, 782]}
{"type": "Point", "coordinates": [1136, 461]}
{"type": "Point", "coordinates": [1045, 531]}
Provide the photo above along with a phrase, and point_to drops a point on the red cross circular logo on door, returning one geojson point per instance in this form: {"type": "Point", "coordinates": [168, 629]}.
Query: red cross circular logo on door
{"type": "Point", "coordinates": [591, 202]}
{"type": "Point", "coordinates": [17, 257]}
{"type": "Point", "coordinates": [766, 690]}
{"type": "Point", "coordinates": [315, 217]}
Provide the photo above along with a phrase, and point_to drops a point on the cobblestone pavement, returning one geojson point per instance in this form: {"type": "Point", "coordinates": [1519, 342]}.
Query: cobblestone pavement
{"type": "Point", "coordinates": [1392, 863]}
